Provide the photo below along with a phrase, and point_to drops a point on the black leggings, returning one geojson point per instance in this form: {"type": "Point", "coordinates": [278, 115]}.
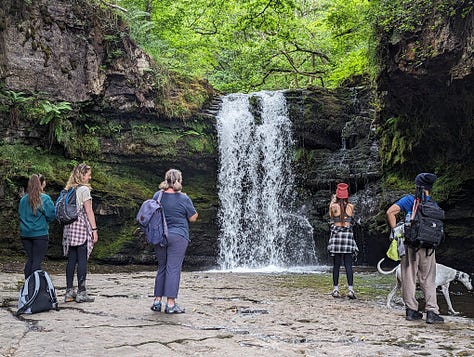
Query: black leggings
{"type": "Point", "coordinates": [35, 249]}
{"type": "Point", "coordinates": [77, 255]}
{"type": "Point", "coordinates": [338, 257]}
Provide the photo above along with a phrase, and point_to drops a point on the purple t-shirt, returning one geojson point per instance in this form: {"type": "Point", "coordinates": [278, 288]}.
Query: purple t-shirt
{"type": "Point", "coordinates": [178, 207]}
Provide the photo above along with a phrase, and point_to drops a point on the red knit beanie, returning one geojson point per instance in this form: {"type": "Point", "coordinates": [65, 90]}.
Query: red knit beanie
{"type": "Point", "coordinates": [341, 191]}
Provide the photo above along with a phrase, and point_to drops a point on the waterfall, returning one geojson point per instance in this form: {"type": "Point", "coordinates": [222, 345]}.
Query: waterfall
{"type": "Point", "coordinates": [259, 225]}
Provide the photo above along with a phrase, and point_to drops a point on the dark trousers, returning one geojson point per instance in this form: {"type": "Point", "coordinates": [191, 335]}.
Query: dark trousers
{"type": "Point", "coordinates": [170, 261]}
{"type": "Point", "coordinates": [347, 258]}
{"type": "Point", "coordinates": [77, 256]}
{"type": "Point", "coordinates": [35, 249]}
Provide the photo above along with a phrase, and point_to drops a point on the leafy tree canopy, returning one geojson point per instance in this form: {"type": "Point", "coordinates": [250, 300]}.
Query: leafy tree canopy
{"type": "Point", "coordinates": [246, 45]}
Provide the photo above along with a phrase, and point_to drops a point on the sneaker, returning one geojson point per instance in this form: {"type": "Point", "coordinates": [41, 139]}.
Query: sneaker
{"type": "Point", "coordinates": [156, 306]}
{"type": "Point", "coordinates": [433, 318]}
{"type": "Point", "coordinates": [412, 315]}
{"type": "Point", "coordinates": [175, 309]}
{"type": "Point", "coordinates": [70, 295]}
{"type": "Point", "coordinates": [335, 294]}
{"type": "Point", "coordinates": [351, 295]}
{"type": "Point", "coordinates": [83, 297]}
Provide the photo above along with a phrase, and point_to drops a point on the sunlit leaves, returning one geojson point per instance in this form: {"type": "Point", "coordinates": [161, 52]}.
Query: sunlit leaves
{"type": "Point", "coordinates": [244, 45]}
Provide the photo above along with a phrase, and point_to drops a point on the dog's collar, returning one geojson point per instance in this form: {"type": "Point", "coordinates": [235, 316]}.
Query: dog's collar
{"type": "Point", "coordinates": [456, 277]}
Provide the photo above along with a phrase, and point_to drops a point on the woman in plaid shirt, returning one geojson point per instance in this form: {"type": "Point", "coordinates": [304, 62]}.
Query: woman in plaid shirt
{"type": "Point", "coordinates": [342, 245]}
{"type": "Point", "coordinates": [79, 236]}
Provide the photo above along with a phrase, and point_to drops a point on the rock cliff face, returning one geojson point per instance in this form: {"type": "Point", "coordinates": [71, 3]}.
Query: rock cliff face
{"type": "Point", "coordinates": [73, 51]}
{"type": "Point", "coordinates": [132, 121]}
{"type": "Point", "coordinates": [426, 88]}
{"type": "Point", "coordinates": [336, 142]}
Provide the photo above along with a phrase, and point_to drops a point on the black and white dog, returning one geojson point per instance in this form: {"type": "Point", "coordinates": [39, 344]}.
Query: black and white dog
{"type": "Point", "coordinates": [444, 276]}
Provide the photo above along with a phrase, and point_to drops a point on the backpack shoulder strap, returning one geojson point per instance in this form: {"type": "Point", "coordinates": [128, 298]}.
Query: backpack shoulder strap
{"type": "Point", "coordinates": [160, 194]}
{"type": "Point", "coordinates": [416, 203]}
{"type": "Point", "coordinates": [163, 217]}
{"type": "Point", "coordinates": [51, 290]}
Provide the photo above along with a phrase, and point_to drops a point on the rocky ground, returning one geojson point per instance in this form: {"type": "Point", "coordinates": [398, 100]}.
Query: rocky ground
{"type": "Point", "coordinates": [227, 314]}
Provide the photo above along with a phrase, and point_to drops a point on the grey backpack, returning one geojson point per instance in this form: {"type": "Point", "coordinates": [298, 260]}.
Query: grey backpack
{"type": "Point", "coordinates": [66, 208]}
{"type": "Point", "coordinates": [152, 220]}
{"type": "Point", "coordinates": [37, 294]}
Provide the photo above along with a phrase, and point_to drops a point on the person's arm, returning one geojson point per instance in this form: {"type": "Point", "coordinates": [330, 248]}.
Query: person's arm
{"type": "Point", "coordinates": [193, 218]}
{"type": "Point", "coordinates": [334, 209]}
{"type": "Point", "coordinates": [49, 209]}
{"type": "Point", "coordinates": [91, 217]}
{"type": "Point", "coordinates": [392, 215]}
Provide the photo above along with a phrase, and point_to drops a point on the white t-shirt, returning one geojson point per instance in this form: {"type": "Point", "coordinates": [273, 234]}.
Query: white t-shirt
{"type": "Point", "coordinates": [83, 193]}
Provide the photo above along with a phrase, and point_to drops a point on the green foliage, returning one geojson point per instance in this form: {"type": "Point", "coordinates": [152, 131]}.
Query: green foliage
{"type": "Point", "coordinates": [32, 107]}
{"type": "Point", "coordinates": [21, 161]}
{"type": "Point", "coordinates": [410, 15]}
{"type": "Point", "coordinates": [155, 135]}
{"type": "Point", "coordinates": [255, 44]}
{"type": "Point", "coordinates": [48, 112]}
{"type": "Point", "coordinates": [399, 139]}
{"type": "Point", "coordinates": [14, 103]}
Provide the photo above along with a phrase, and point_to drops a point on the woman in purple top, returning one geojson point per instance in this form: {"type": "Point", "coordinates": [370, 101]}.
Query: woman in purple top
{"type": "Point", "coordinates": [179, 211]}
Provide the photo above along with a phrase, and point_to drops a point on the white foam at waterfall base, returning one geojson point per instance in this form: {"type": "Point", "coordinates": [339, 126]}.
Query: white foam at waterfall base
{"type": "Point", "coordinates": [259, 223]}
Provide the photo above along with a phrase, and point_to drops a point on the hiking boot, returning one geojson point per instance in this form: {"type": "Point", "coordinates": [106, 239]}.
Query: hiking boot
{"type": "Point", "coordinates": [175, 309]}
{"type": "Point", "coordinates": [433, 318]}
{"type": "Point", "coordinates": [156, 306]}
{"type": "Point", "coordinates": [351, 295]}
{"type": "Point", "coordinates": [335, 294]}
{"type": "Point", "coordinates": [70, 295]}
{"type": "Point", "coordinates": [412, 315]}
{"type": "Point", "coordinates": [83, 297]}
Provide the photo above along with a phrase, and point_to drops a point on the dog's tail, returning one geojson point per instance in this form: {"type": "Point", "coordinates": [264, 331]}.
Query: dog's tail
{"type": "Point", "coordinates": [381, 271]}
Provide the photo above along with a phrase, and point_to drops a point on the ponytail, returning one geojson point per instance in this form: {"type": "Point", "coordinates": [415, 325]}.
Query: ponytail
{"type": "Point", "coordinates": [343, 205]}
{"type": "Point", "coordinates": [34, 190]}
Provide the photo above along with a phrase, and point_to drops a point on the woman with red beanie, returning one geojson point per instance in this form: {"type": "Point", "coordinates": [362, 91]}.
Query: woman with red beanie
{"type": "Point", "coordinates": [342, 245]}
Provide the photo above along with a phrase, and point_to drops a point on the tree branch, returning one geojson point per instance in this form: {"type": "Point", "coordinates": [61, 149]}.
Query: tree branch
{"type": "Point", "coordinates": [113, 6]}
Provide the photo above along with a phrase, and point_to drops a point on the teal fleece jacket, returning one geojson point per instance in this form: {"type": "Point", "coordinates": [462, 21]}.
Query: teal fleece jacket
{"type": "Point", "coordinates": [35, 225]}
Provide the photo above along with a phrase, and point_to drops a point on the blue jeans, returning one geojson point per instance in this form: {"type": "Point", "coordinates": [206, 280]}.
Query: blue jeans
{"type": "Point", "coordinates": [170, 262]}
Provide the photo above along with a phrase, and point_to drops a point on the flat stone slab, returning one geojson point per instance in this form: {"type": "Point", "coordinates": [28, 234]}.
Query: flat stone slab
{"type": "Point", "coordinates": [227, 314]}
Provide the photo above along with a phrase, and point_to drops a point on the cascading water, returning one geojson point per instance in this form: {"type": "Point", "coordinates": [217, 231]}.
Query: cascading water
{"type": "Point", "coordinates": [259, 225]}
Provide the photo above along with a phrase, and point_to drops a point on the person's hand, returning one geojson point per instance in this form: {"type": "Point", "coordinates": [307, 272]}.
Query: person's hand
{"type": "Point", "coordinates": [95, 236]}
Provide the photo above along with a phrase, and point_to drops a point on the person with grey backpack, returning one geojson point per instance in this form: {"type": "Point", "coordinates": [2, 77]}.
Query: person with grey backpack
{"type": "Point", "coordinates": [178, 211]}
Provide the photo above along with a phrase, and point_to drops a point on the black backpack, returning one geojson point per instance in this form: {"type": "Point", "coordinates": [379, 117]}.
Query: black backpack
{"type": "Point", "coordinates": [66, 208]}
{"type": "Point", "coordinates": [37, 294]}
{"type": "Point", "coordinates": [426, 227]}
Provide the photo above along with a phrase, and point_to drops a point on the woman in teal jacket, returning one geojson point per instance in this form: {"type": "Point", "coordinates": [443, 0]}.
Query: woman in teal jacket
{"type": "Point", "coordinates": [36, 211]}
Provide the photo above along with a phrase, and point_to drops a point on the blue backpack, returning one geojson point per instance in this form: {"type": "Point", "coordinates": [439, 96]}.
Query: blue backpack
{"type": "Point", "coordinates": [151, 218]}
{"type": "Point", "coordinates": [66, 208]}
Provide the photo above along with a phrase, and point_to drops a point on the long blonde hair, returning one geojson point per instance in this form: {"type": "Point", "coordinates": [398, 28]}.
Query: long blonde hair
{"type": "Point", "coordinates": [77, 176]}
{"type": "Point", "coordinates": [35, 188]}
{"type": "Point", "coordinates": [173, 179]}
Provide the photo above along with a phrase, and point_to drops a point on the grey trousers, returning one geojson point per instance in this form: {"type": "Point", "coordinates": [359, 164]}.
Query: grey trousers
{"type": "Point", "coordinates": [170, 261]}
{"type": "Point", "coordinates": [422, 266]}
